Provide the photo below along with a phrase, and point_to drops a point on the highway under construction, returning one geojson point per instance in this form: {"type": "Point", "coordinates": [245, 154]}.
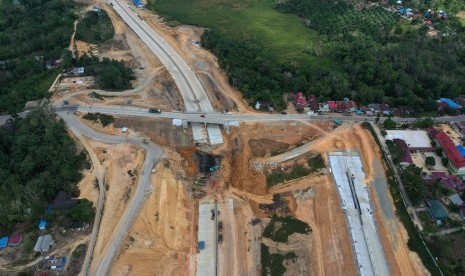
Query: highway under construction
{"type": "Point", "coordinates": [347, 170]}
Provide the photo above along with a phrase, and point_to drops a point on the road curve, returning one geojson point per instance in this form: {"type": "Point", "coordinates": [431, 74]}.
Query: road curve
{"type": "Point", "coordinates": [153, 155]}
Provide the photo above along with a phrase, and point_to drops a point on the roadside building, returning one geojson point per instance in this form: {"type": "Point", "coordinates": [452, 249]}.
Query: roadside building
{"type": "Point", "coordinates": [300, 100]}
{"type": "Point", "coordinates": [346, 106]}
{"type": "Point", "coordinates": [375, 108]}
{"type": "Point", "coordinates": [3, 242]}
{"type": "Point", "coordinates": [416, 140]}
{"type": "Point", "coordinates": [456, 199]}
{"type": "Point", "coordinates": [456, 162]}
{"type": "Point", "coordinates": [406, 158]}
{"type": "Point", "coordinates": [312, 102]}
{"type": "Point", "coordinates": [15, 240]}
{"type": "Point", "coordinates": [138, 3]}
{"type": "Point", "coordinates": [55, 263]}
{"type": "Point", "coordinates": [42, 224]}
{"type": "Point", "coordinates": [450, 103]}
{"type": "Point", "coordinates": [436, 211]}
{"type": "Point", "coordinates": [323, 107]}
{"type": "Point", "coordinates": [332, 106]}
{"type": "Point", "coordinates": [43, 243]}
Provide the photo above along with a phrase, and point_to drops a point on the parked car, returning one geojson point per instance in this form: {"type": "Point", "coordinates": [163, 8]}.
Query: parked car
{"type": "Point", "coordinates": [202, 116]}
{"type": "Point", "coordinates": [284, 113]}
{"type": "Point", "coordinates": [154, 110]}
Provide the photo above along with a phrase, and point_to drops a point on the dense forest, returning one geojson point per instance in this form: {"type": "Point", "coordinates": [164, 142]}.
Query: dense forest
{"type": "Point", "coordinates": [109, 74]}
{"type": "Point", "coordinates": [31, 32]}
{"type": "Point", "coordinates": [37, 160]}
{"type": "Point", "coordinates": [94, 27]}
{"type": "Point", "coordinates": [384, 58]}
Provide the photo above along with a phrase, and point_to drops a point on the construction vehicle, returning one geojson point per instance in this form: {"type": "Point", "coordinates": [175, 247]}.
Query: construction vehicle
{"type": "Point", "coordinates": [214, 168]}
{"type": "Point", "coordinates": [145, 141]}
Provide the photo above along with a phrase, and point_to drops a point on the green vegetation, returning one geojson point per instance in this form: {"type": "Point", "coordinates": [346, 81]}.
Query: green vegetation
{"type": "Point", "coordinates": [413, 183]}
{"type": "Point", "coordinates": [280, 228]}
{"type": "Point", "coordinates": [395, 151]}
{"type": "Point", "coordinates": [415, 241]}
{"type": "Point", "coordinates": [368, 54]}
{"type": "Point", "coordinates": [448, 250]}
{"type": "Point", "coordinates": [109, 74]}
{"type": "Point", "coordinates": [424, 123]}
{"type": "Point", "coordinates": [103, 119]}
{"type": "Point", "coordinates": [430, 161]}
{"type": "Point", "coordinates": [389, 124]}
{"type": "Point", "coordinates": [31, 33]}
{"type": "Point", "coordinates": [277, 176]}
{"type": "Point", "coordinates": [94, 27]}
{"type": "Point", "coordinates": [83, 212]}
{"type": "Point", "coordinates": [316, 163]}
{"type": "Point", "coordinates": [272, 264]}
{"type": "Point", "coordinates": [37, 160]}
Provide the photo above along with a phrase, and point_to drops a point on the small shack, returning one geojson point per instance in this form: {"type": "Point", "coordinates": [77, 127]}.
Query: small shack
{"type": "Point", "coordinates": [55, 263]}
{"type": "Point", "coordinates": [63, 202]}
{"type": "Point", "coordinates": [456, 199]}
{"type": "Point", "coordinates": [43, 243]}
{"type": "Point", "coordinates": [3, 242]}
{"type": "Point", "coordinates": [15, 240]}
{"type": "Point", "coordinates": [436, 211]}
{"type": "Point", "coordinates": [42, 224]}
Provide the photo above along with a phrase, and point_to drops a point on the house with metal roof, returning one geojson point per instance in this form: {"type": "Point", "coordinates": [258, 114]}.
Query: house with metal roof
{"type": "Point", "coordinates": [436, 211]}
{"type": "Point", "coordinates": [450, 103]}
{"type": "Point", "coordinates": [3, 242]}
{"type": "Point", "coordinates": [456, 160]}
{"type": "Point", "coordinates": [55, 263]}
{"type": "Point", "coordinates": [15, 240]}
{"type": "Point", "coordinates": [456, 199]}
{"type": "Point", "coordinates": [43, 243]}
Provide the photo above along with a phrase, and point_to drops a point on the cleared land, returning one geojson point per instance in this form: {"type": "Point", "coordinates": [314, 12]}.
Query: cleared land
{"type": "Point", "coordinates": [162, 240]}
{"type": "Point", "coordinates": [285, 35]}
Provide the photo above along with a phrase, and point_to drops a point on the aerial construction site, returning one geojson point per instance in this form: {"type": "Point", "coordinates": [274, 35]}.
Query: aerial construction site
{"type": "Point", "coordinates": [188, 196]}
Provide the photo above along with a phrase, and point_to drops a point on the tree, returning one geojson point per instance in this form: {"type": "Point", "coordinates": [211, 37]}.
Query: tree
{"type": "Point", "coordinates": [83, 212]}
{"type": "Point", "coordinates": [414, 186]}
{"type": "Point", "coordinates": [430, 161]}
{"type": "Point", "coordinates": [389, 123]}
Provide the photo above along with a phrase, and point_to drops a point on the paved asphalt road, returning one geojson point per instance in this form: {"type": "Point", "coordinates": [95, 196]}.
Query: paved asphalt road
{"type": "Point", "coordinates": [153, 155]}
{"type": "Point", "coordinates": [219, 118]}
{"type": "Point", "coordinates": [194, 95]}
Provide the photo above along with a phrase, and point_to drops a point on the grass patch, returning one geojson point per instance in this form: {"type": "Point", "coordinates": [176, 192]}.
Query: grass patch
{"type": "Point", "coordinates": [284, 35]}
{"type": "Point", "coordinates": [103, 119]}
{"type": "Point", "coordinates": [415, 241]}
{"type": "Point", "coordinates": [272, 264]}
{"type": "Point", "coordinates": [447, 251]}
{"type": "Point", "coordinates": [95, 27]}
{"type": "Point", "coordinates": [277, 176]}
{"type": "Point", "coordinates": [280, 228]}
{"type": "Point", "coordinates": [316, 163]}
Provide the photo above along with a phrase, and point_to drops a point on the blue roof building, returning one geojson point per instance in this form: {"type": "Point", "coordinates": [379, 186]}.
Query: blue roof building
{"type": "Point", "coordinates": [138, 3]}
{"type": "Point", "coordinates": [3, 242]}
{"type": "Point", "coordinates": [42, 224]}
{"type": "Point", "coordinates": [461, 150]}
{"type": "Point", "coordinates": [450, 103]}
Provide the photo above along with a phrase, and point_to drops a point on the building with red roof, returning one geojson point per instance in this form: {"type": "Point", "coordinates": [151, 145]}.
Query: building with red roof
{"type": "Point", "coordinates": [456, 160]}
{"type": "Point", "coordinates": [406, 158]}
{"type": "Point", "coordinates": [300, 100]}
{"type": "Point", "coordinates": [333, 106]}
{"type": "Point", "coordinates": [312, 102]}
{"type": "Point", "coordinates": [15, 240]}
